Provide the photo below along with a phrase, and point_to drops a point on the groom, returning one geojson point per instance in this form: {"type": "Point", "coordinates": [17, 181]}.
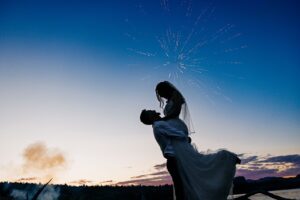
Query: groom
{"type": "Point", "coordinates": [164, 131]}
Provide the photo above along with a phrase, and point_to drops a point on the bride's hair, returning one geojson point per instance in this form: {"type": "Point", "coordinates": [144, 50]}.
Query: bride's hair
{"type": "Point", "coordinates": [165, 89]}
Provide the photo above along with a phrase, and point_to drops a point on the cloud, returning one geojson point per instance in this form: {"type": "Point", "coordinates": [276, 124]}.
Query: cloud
{"type": "Point", "coordinates": [90, 182]}
{"type": "Point", "coordinates": [252, 167]}
{"type": "Point", "coordinates": [108, 182]}
{"type": "Point", "coordinates": [286, 159]}
{"type": "Point", "coordinates": [249, 159]}
{"type": "Point", "coordinates": [255, 174]}
{"type": "Point", "coordinates": [81, 182]}
{"type": "Point", "coordinates": [256, 167]}
{"type": "Point", "coordinates": [160, 166]}
{"type": "Point", "coordinates": [29, 179]}
{"type": "Point", "coordinates": [159, 180]}
{"type": "Point", "coordinates": [158, 177]}
{"type": "Point", "coordinates": [151, 174]}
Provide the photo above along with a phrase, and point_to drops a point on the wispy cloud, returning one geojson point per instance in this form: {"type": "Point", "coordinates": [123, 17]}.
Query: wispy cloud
{"type": "Point", "coordinates": [295, 158]}
{"type": "Point", "coordinates": [252, 167]}
{"type": "Point", "coordinates": [81, 182]}
{"type": "Point", "coordinates": [91, 182]}
{"type": "Point", "coordinates": [160, 166]}
{"type": "Point", "coordinates": [162, 180]}
{"type": "Point", "coordinates": [255, 167]}
{"type": "Point", "coordinates": [159, 177]}
{"type": "Point", "coordinates": [28, 179]}
{"type": "Point", "coordinates": [151, 174]}
{"type": "Point", "coordinates": [108, 182]}
{"type": "Point", "coordinates": [249, 159]}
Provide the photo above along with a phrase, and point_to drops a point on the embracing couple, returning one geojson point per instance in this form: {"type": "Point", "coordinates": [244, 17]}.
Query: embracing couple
{"type": "Point", "coordinates": [195, 176]}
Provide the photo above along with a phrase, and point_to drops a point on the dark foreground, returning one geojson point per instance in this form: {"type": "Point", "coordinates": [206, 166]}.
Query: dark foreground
{"type": "Point", "coordinates": [9, 191]}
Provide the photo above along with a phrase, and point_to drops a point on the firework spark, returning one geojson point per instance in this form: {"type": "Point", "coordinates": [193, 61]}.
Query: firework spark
{"type": "Point", "coordinates": [184, 53]}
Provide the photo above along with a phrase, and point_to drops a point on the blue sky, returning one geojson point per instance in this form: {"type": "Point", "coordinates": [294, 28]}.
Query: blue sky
{"type": "Point", "coordinates": [75, 76]}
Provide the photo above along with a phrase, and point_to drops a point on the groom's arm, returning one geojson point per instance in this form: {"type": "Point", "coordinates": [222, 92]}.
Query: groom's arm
{"type": "Point", "coordinates": [165, 129]}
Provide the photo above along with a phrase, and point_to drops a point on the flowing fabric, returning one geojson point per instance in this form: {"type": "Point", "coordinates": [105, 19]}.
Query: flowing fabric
{"type": "Point", "coordinates": [204, 176]}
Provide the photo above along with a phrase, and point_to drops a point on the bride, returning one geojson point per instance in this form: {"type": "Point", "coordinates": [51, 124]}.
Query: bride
{"type": "Point", "coordinates": [204, 176]}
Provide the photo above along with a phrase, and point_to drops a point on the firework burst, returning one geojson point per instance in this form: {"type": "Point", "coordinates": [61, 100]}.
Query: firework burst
{"type": "Point", "coordinates": [186, 52]}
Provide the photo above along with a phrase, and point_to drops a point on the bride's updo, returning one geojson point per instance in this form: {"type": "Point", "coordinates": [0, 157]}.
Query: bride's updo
{"type": "Point", "coordinates": [167, 90]}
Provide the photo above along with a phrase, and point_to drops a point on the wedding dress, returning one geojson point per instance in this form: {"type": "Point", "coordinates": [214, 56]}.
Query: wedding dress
{"type": "Point", "coordinates": [204, 176]}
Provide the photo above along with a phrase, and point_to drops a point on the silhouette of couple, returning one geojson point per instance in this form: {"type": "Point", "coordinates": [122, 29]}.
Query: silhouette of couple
{"type": "Point", "coordinates": [195, 176]}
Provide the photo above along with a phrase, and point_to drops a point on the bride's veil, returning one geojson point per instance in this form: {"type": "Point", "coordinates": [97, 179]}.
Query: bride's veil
{"type": "Point", "coordinates": [186, 117]}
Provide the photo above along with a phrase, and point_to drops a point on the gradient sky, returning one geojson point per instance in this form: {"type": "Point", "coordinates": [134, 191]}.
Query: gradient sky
{"type": "Point", "coordinates": [74, 77]}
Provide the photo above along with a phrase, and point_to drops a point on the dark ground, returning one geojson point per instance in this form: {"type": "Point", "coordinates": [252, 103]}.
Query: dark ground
{"type": "Point", "coordinates": [141, 192]}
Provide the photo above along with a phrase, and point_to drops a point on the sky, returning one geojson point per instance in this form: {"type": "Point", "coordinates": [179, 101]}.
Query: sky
{"type": "Point", "coordinates": [75, 76]}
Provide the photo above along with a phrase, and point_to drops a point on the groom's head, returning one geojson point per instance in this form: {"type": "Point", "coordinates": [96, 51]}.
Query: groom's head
{"type": "Point", "coordinates": [149, 116]}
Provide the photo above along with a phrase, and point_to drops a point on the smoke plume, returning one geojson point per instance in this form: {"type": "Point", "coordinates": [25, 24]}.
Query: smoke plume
{"type": "Point", "coordinates": [38, 157]}
{"type": "Point", "coordinates": [42, 162]}
{"type": "Point", "coordinates": [18, 194]}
